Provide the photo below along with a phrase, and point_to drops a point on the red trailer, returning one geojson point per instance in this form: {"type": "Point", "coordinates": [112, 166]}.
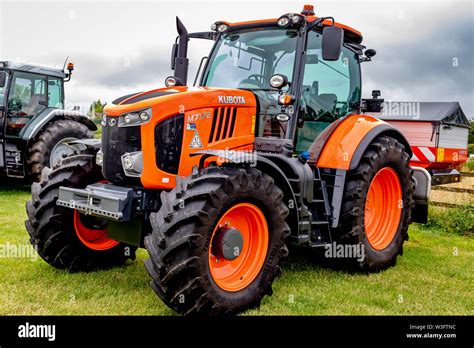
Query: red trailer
{"type": "Point", "coordinates": [438, 135]}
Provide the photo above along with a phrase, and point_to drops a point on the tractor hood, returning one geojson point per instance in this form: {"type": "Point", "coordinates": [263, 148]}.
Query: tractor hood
{"type": "Point", "coordinates": [184, 120]}
{"type": "Point", "coordinates": [175, 100]}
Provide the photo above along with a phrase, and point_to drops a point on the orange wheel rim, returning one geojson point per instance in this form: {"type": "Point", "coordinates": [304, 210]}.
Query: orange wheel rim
{"type": "Point", "coordinates": [237, 274]}
{"type": "Point", "coordinates": [383, 208]}
{"type": "Point", "coordinates": [95, 239]}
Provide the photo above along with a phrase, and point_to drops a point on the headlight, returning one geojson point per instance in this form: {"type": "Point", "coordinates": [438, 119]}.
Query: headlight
{"type": "Point", "coordinates": [222, 28]}
{"type": "Point", "coordinates": [295, 19]}
{"type": "Point", "coordinates": [144, 116]}
{"type": "Point", "coordinates": [132, 163]}
{"type": "Point", "coordinates": [278, 81]}
{"type": "Point", "coordinates": [127, 162]}
{"type": "Point", "coordinates": [99, 158]}
{"type": "Point", "coordinates": [135, 118]}
{"type": "Point", "coordinates": [283, 21]}
{"type": "Point", "coordinates": [282, 117]}
{"type": "Point", "coordinates": [291, 19]}
{"type": "Point", "coordinates": [170, 81]}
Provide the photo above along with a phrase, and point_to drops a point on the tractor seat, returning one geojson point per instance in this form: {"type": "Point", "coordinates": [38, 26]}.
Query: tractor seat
{"type": "Point", "coordinates": [33, 105]}
{"type": "Point", "coordinates": [327, 100]}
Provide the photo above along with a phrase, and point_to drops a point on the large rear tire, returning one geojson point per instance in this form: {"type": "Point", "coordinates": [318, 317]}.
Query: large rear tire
{"type": "Point", "coordinates": [377, 205]}
{"type": "Point", "coordinates": [50, 146]}
{"type": "Point", "coordinates": [62, 237]}
{"type": "Point", "coordinates": [194, 231]}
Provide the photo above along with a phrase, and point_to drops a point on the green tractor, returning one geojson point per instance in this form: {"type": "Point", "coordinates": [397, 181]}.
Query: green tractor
{"type": "Point", "coordinates": [35, 129]}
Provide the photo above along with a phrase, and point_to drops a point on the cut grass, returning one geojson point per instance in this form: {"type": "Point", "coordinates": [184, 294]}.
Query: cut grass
{"type": "Point", "coordinates": [434, 277]}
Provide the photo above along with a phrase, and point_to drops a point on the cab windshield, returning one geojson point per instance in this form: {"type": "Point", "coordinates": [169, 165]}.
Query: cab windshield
{"type": "Point", "coordinates": [248, 59]}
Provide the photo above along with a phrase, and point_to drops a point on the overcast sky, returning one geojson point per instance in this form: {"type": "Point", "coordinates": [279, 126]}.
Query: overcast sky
{"type": "Point", "coordinates": [425, 49]}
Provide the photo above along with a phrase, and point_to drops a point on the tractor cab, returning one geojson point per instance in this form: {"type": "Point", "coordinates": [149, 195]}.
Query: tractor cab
{"type": "Point", "coordinates": [25, 92]}
{"type": "Point", "coordinates": [303, 70]}
{"type": "Point", "coordinates": [31, 97]}
{"type": "Point", "coordinates": [311, 89]}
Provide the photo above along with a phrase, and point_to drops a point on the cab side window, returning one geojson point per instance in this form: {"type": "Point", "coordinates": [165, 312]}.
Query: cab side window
{"type": "Point", "coordinates": [331, 89]}
{"type": "Point", "coordinates": [55, 97]}
{"type": "Point", "coordinates": [26, 99]}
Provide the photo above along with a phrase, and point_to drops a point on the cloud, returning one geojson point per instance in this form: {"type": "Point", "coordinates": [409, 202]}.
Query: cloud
{"type": "Point", "coordinates": [124, 46]}
{"type": "Point", "coordinates": [435, 67]}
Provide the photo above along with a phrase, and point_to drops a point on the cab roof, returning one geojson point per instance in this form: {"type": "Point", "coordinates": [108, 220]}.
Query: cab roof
{"type": "Point", "coordinates": [350, 33]}
{"type": "Point", "coordinates": [32, 68]}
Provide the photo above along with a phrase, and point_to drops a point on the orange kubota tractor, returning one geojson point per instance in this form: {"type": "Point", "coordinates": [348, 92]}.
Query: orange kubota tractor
{"type": "Point", "coordinates": [271, 147]}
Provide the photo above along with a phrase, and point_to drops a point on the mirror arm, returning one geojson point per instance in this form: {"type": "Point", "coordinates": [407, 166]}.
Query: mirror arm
{"type": "Point", "coordinates": [206, 35]}
{"type": "Point", "coordinates": [317, 22]}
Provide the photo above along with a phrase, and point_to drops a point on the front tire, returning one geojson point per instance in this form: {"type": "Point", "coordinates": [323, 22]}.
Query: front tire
{"type": "Point", "coordinates": [62, 237]}
{"type": "Point", "coordinates": [377, 205]}
{"type": "Point", "coordinates": [189, 273]}
{"type": "Point", "coordinates": [49, 146]}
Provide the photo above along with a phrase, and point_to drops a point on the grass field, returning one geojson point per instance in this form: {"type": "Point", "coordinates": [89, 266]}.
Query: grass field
{"type": "Point", "coordinates": [435, 276]}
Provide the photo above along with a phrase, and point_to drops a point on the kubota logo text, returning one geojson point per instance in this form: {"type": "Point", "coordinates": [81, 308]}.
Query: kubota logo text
{"type": "Point", "coordinates": [229, 99]}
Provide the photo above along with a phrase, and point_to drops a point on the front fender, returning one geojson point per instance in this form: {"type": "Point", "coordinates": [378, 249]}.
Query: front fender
{"type": "Point", "coordinates": [48, 115]}
{"type": "Point", "coordinates": [347, 143]}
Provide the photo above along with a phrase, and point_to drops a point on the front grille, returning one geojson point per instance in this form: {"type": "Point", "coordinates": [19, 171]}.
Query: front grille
{"type": "Point", "coordinates": [223, 124]}
{"type": "Point", "coordinates": [116, 142]}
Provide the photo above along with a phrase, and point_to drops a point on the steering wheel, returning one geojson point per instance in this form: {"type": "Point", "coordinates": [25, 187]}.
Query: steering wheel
{"type": "Point", "coordinates": [255, 77]}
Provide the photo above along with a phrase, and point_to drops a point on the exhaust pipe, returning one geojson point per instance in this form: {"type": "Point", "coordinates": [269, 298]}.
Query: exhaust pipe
{"type": "Point", "coordinates": [181, 60]}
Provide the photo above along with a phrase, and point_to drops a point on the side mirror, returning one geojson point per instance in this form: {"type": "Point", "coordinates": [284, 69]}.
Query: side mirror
{"type": "Point", "coordinates": [3, 79]}
{"type": "Point", "coordinates": [331, 44]}
{"type": "Point", "coordinates": [174, 54]}
{"type": "Point", "coordinates": [370, 53]}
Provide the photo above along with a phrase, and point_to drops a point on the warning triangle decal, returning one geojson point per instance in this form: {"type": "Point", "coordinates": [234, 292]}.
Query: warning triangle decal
{"type": "Point", "coordinates": [196, 142]}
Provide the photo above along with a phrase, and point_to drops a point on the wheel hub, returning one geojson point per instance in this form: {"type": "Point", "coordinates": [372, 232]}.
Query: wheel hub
{"type": "Point", "coordinates": [63, 149]}
{"type": "Point", "coordinates": [241, 235]}
{"type": "Point", "coordinates": [383, 208]}
{"type": "Point", "coordinates": [227, 243]}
